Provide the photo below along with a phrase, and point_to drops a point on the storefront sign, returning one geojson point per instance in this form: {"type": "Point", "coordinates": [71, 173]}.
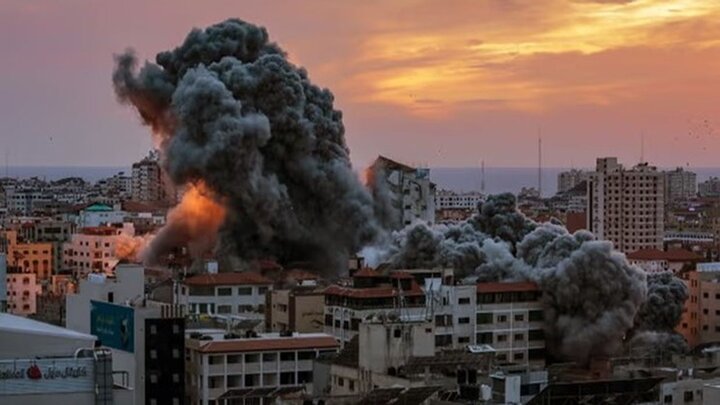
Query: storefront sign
{"type": "Point", "coordinates": [46, 376]}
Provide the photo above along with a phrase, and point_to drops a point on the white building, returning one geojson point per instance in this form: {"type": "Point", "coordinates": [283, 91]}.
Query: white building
{"type": "Point", "coordinates": [626, 207]}
{"type": "Point", "coordinates": [98, 214]}
{"type": "Point", "coordinates": [219, 365]}
{"type": "Point", "coordinates": [238, 293]}
{"type": "Point", "coordinates": [149, 183]}
{"type": "Point", "coordinates": [571, 178]}
{"type": "Point", "coordinates": [43, 364]}
{"type": "Point", "coordinates": [447, 199]}
{"type": "Point", "coordinates": [22, 292]}
{"type": "Point", "coordinates": [680, 185]}
{"type": "Point", "coordinates": [92, 250]}
{"type": "Point", "coordinates": [409, 190]}
{"type": "Point", "coordinates": [143, 335]}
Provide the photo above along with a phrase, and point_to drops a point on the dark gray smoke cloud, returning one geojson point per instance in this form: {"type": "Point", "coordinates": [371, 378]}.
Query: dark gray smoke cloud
{"type": "Point", "coordinates": [591, 294]}
{"type": "Point", "coordinates": [229, 110]}
{"type": "Point", "coordinates": [653, 334]}
{"type": "Point", "coordinates": [664, 305]}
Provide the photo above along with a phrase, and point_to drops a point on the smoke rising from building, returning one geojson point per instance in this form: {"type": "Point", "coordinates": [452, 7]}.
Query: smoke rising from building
{"type": "Point", "coordinates": [228, 109]}
{"type": "Point", "coordinates": [591, 293]}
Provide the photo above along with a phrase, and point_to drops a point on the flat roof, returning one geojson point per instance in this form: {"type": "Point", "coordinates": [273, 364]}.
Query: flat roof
{"type": "Point", "coordinates": [261, 344]}
{"type": "Point", "coordinates": [18, 324]}
{"type": "Point", "coordinates": [507, 287]}
{"type": "Point", "coordinates": [235, 278]}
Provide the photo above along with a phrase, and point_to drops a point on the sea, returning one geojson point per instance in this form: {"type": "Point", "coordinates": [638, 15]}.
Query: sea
{"type": "Point", "coordinates": [497, 179]}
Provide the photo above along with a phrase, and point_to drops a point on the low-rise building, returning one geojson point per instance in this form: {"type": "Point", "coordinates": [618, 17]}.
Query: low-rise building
{"type": "Point", "coordinates": [92, 250]}
{"type": "Point", "coordinates": [655, 261]}
{"type": "Point", "coordinates": [234, 293]}
{"type": "Point", "coordinates": [297, 309]}
{"type": "Point", "coordinates": [22, 291]}
{"type": "Point", "coordinates": [220, 366]}
{"type": "Point", "coordinates": [510, 319]}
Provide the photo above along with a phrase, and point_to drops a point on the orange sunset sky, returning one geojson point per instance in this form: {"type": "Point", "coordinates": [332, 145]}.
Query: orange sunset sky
{"type": "Point", "coordinates": [442, 83]}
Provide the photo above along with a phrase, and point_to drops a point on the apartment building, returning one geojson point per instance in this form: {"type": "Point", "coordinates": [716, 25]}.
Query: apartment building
{"type": "Point", "coordinates": [409, 189]}
{"type": "Point", "coordinates": [298, 309]}
{"type": "Point", "coordinates": [700, 321]}
{"type": "Point", "coordinates": [510, 319]}
{"type": "Point", "coordinates": [236, 293]}
{"type": "Point", "coordinates": [371, 293]}
{"type": "Point", "coordinates": [36, 257]}
{"type": "Point", "coordinates": [92, 249]}
{"type": "Point", "coordinates": [680, 185]}
{"type": "Point", "coordinates": [626, 206]}
{"type": "Point", "coordinates": [568, 179]}
{"type": "Point", "coordinates": [447, 199]}
{"type": "Point", "coordinates": [149, 183]}
{"type": "Point", "coordinates": [220, 367]}
{"type": "Point", "coordinates": [22, 291]}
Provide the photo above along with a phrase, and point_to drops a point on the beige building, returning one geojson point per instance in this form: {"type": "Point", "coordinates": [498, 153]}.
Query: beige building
{"type": "Point", "coordinates": [22, 292]}
{"type": "Point", "coordinates": [701, 318]}
{"type": "Point", "coordinates": [221, 366]}
{"type": "Point", "coordinates": [34, 257]}
{"type": "Point", "coordinates": [510, 319]}
{"type": "Point", "coordinates": [149, 183]}
{"type": "Point", "coordinates": [680, 185]}
{"type": "Point", "coordinates": [92, 249]}
{"type": "Point", "coordinates": [299, 309]}
{"type": "Point", "coordinates": [571, 178]}
{"type": "Point", "coordinates": [626, 206]}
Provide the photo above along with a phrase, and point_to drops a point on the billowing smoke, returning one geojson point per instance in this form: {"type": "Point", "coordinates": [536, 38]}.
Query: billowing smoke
{"type": "Point", "coordinates": [229, 110]}
{"type": "Point", "coordinates": [591, 293]}
{"type": "Point", "coordinates": [657, 318]}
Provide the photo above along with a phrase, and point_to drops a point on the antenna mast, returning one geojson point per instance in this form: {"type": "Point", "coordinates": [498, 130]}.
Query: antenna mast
{"type": "Point", "coordinates": [482, 176]}
{"type": "Point", "coordinates": [539, 163]}
{"type": "Point", "coordinates": [642, 147]}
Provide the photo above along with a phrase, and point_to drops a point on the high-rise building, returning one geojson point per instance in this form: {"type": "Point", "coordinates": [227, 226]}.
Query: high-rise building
{"type": "Point", "coordinates": [406, 191]}
{"type": "Point", "coordinates": [571, 178]}
{"type": "Point", "coordinates": [709, 187]}
{"type": "Point", "coordinates": [679, 185]}
{"type": "Point", "coordinates": [626, 206]}
{"type": "Point", "coordinates": [149, 182]}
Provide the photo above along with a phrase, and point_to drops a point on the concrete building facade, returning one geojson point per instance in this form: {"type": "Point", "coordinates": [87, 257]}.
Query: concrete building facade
{"type": "Point", "coordinates": [410, 192]}
{"type": "Point", "coordinates": [236, 293]}
{"type": "Point", "coordinates": [625, 206]}
{"type": "Point", "coordinates": [568, 179]}
{"type": "Point", "coordinates": [680, 185]}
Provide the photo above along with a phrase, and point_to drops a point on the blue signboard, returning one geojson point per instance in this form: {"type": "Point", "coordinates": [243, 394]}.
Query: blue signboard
{"type": "Point", "coordinates": [113, 324]}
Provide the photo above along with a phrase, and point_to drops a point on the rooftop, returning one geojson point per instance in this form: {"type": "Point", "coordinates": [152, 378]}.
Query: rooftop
{"type": "Point", "coordinates": [235, 278]}
{"type": "Point", "coordinates": [373, 292]}
{"type": "Point", "coordinates": [507, 287]}
{"type": "Point", "coordinates": [307, 341]}
{"type": "Point", "coordinates": [671, 255]}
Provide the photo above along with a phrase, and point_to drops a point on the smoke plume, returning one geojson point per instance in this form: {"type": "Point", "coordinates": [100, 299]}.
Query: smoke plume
{"type": "Point", "coordinates": [591, 294]}
{"type": "Point", "coordinates": [228, 109]}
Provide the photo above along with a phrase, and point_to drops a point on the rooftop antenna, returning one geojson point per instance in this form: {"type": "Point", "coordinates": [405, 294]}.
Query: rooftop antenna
{"type": "Point", "coordinates": [539, 163]}
{"type": "Point", "coordinates": [482, 176]}
{"type": "Point", "coordinates": [642, 147]}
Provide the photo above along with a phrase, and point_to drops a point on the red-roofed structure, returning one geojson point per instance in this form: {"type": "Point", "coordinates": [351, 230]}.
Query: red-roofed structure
{"type": "Point", "coordinates": [654, 260]}
{"type": "Point", "coordinates": [507, 287]}
{"type": "Point", "coordinates": [235, 278]}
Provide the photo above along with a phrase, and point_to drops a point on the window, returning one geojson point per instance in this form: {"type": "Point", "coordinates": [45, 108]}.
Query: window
{"type": "Point", "coordinates": [519, 317]}
{"type": "Point", "coordinates": [519, 356]}
{"type": "Point", "coordinates": [269, 357]}
{"type": "Point", "coordinates": [252, 358]}
{"type": "Point", "coordinates": [245, 291]}
{"type": "Point", "coordinates": [287, 356]}
{"type": "Point", "coordinates": [443, 340]}
{"type": "Point", "coordinates": [111, 297]}
{"type": "Point", "coordinates": [224, 309]}
{"type": "Point", "coordinates": [306, 355]}
{"type": "Point", "coordinates": [153, 378]}
{"type": "Point", "coordinates": [176, 378]}
{"type": "Point", "coordinates": [225, 291]}
{"type": "Point", "coordinates": [351, 385]}
{"type": "Point", "coordinates": [484, 317]}
{"type": "Point", "coordinates": [688, 396]}
{"type": "Point", "coordinates": [287, 378]}
{"type": "Point", "coordinates": [262, 290]}
{"type": "Point", "coordinates": [536, 334]}
{"type": "Point", "coordinates": [501, 338]}
{"type": "Point", "coordinates": [464, 339]}
{"type": "Point", "coordinates": [463, 321]}
{"type": "Point", "coordinates": [341, 382]}
{"type": "Point", "coordinates": [536, 316]}
{"type": "Point", "coordinates": [215, 360]}
{"type": "Point", "coordinates": [153, 354]}
{"type": "Point", "coordinates": [502, 357]}
{"type": "Point", "coordinates": [502, 318]}
{"type": "Point", "coordinates": [397, 333]}
{"type": "Point", "coordinates": [519, 337]}
{"type": "Point", "coordinates": [464, 301]}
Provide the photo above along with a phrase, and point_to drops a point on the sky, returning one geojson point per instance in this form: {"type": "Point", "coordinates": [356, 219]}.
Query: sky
{"type": "Point", "coordinates": [439, 83]}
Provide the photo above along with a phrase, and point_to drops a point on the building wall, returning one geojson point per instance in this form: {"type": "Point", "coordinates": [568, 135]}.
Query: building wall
{"type": "Point", "coordinates": [224, 299]}
{"type": "Point", "coordinates": [679, 185]}
{"type": "Point", "coordinates": [569, 179]}
{"type": "Point", "coordinates": [296, 311]}
{"type": "Point", "coordinates": [92, 252]}
{"type": "Point", "coordinates": [22, 292]}
{"type": "Point", "coordinates": [626, 207]}
{"type": "Point", "coordinates": [35, 257]}
{"type": "Point", "coordinates": [700, 321]}
{"type": "Point", "coordinates": [513, 325]}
